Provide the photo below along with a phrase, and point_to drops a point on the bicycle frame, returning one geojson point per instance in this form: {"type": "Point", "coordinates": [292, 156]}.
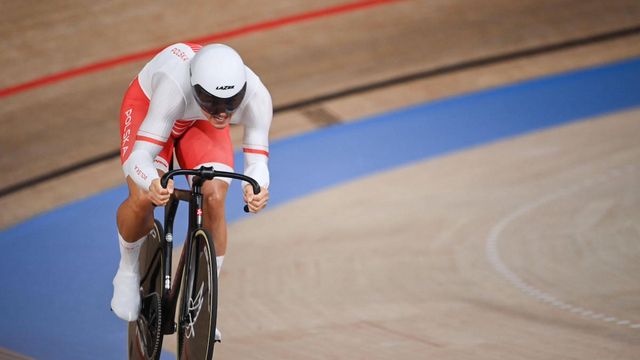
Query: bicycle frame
{"type": "Point", "coordinates": [170, 293]}
{"type": "Point", "coordinates": [194, 197]}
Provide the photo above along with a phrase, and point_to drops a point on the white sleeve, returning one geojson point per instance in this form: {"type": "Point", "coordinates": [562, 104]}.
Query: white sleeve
{"type": "Point", "coordinates": [139, 166]}
{"type": "Point", "coordinates": [255, 144]}
{"type": "Point", "coordinates": [167, 104]}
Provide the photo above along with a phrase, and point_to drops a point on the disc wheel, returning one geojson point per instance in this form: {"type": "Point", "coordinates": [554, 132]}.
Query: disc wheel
{"type": "Point", "coordinates": [199, 300]}
{"type": "Point", "coordinates": [145, 334]}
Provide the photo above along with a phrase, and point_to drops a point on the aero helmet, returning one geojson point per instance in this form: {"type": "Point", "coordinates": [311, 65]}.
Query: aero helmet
{"type": "Point", "coordinates": [218, 79]}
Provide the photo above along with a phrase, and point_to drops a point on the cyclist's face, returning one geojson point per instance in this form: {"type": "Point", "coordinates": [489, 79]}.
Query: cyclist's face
{"type": "Point", "coordinates": [219, 121]}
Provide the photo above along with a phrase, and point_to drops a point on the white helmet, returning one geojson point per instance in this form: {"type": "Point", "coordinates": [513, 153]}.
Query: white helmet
{"type": "Point", "coordinates": [218, 79]}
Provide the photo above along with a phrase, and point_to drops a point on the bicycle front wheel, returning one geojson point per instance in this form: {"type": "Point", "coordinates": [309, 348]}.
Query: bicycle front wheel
{"type": "Point", "coordinates": [145, 334]}
{"type": "Point", "coordinates": [199, 300]}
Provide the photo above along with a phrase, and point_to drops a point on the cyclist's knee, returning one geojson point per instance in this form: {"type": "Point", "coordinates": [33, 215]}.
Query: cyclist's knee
{"type": "Point", "coordinates": [139, 205]}
{"type": "Point", "coordinates": [137, 201]}
{"type": "Point", "coordinates": [134, 218]}
{"type": "Point", "coordinates": [215, 193]}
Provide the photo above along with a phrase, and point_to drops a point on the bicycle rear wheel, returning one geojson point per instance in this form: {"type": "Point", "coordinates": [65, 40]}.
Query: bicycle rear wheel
{"type": "Point", "coordinates": [199, 300]}
{"type": "Point", "coordinates": [145, 334]}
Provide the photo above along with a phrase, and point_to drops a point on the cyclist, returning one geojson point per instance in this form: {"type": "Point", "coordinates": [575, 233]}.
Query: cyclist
{"type": "Point", "coordinates": [183, 101]}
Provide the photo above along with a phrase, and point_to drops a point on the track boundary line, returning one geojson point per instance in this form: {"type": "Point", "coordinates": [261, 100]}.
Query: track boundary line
{"type": "Point", "coordinates": [493, 255]}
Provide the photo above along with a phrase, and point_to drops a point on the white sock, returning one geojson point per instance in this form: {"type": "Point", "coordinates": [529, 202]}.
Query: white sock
{"type": "Point", "coordinates": [129, 253]}
{"type": "Point", "coordinates": [219, 260]}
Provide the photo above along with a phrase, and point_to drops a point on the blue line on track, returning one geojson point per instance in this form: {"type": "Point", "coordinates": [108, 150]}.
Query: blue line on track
{"type": "Point", "coordinates": [56, 269]}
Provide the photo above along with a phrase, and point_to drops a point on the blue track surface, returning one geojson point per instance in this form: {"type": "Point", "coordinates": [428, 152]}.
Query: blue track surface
{"type": "Point", "coordinates": [56, 269]}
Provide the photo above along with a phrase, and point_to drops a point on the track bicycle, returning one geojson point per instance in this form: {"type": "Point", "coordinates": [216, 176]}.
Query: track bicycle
{"type": "Point", "coordinates": [196, 281]}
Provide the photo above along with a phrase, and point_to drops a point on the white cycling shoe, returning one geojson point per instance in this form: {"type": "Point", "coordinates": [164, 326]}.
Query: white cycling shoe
{"type": "Point", "coordinates": [218, 336]}
{"type": "Point", "coordinates": [126, 295]}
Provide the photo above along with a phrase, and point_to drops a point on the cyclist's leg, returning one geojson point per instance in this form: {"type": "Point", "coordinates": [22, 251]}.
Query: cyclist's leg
{"type": "Point", "coordinates": [134, 220]}
{"type": "Point", "coordinates": [215, 193]}
{"type": "Point", "coordinates": [135, 214]}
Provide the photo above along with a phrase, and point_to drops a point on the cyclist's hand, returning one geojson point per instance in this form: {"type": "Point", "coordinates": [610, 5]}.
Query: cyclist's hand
{"type": "Point", "coordinates": [256, 202]}
{"type": "Point", "coordinates": [157, 194]}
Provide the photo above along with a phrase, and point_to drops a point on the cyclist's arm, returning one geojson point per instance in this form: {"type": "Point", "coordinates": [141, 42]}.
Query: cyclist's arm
{"type": "Point", "coordinates": [166, 105]}
{"type": "Point", "coordinates": [257, 121]}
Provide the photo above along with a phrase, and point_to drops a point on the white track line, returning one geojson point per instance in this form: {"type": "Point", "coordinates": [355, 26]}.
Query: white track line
{"type": "Point", "coordinates": [493, 255]}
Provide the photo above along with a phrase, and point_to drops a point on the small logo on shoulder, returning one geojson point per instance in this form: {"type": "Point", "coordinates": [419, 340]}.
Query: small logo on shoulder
{"type": "Point", "coordinates": [226, 87]}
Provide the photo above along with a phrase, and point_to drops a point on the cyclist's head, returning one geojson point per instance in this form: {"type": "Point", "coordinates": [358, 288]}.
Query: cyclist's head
{"type": "Point", "coordinates": [218, 79]}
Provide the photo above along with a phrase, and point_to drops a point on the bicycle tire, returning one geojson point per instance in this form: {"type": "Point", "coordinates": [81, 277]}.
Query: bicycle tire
{"type": "Point", "coordinates": [145, 334]}
{"type": "Point", "coordinates": [199, 300]}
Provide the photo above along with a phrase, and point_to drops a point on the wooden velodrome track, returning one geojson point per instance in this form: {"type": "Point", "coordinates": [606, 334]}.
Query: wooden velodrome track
{"type": "Point", "coordinates": [425, 289]}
